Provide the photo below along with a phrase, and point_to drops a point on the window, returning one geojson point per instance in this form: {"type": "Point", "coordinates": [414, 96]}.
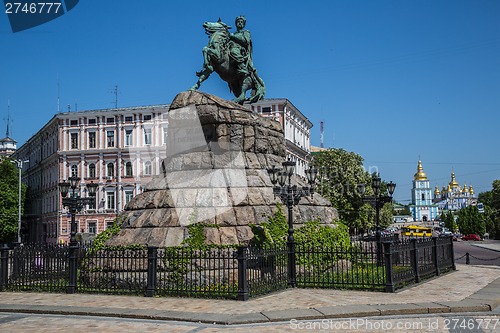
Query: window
{"type": "Point", "coordinates": [110, 120]}
{"type": "Point", "coordinates": [74, 170]}
{"type": "Point", "coordinates": [91, 170]}
{"type": "Point", "coordinates": [74, 123]}
{"type": "Point", "coordinates": [147, 136]}
{"type": "Point", "coordinates": [110, 200]}
{"type": "Point", "coordinates": [111, 138]}
{"type": "Point", "coordinates": [129, 119]}
{"type": "Point", "coordinates": [423, 196]}
{"type": "Point", "coordinates": [91, 139]}
{"type": "Point", "coordinates": [92, 121]}
{"type": "Point", "coordinates": [111, 170]}
{"type": "Point", "coordinates": [128, 137]}
{"type": "Point", "coordinates": [147, 117]}
{"type": "Point", "coordinates": [266, 110]}
{"type": "Point", "coordinates": [74, 140]}
{"type": "Point", "coordinates": [147, 168]}
{"type": "Point", "coordinates": [164, 135]}
{"type": "Point", "coordinates": [91, 204]}
{"type": "Point", "coordinates": [129, 194]}
{"type": "Point", "coordinates": [92, 228]}
{"type": "Point", "coordinates": [109, 224]}
{"type": "Point", "coordinates": [128, 169]}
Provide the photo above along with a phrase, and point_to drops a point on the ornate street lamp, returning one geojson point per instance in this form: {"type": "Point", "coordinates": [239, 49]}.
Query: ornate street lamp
{"type": "Point", "coordinates": [75, 203]}
{"type": "Point", "coordinates": [377, 201]}
{"type": "Point", "coordinates": [290, 195]}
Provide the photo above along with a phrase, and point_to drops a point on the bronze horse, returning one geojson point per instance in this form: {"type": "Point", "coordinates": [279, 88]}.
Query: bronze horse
{"type": "Point", "coordinates": [217, 58]}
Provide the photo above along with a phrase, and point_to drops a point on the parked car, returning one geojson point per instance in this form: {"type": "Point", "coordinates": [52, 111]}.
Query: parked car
{"type": "Point", "coordinates": [446, 232]}
{"type": "Point", "coordinates": [473, 237]}
{"type": "Point", "coordinates": [369, 238]}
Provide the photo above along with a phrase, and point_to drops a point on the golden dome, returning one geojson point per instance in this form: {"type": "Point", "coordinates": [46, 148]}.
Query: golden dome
{"type": "Point", "coordinates": [420, 175]}
{"type": "Point", "coordinates": [449, 188]}
{"type": "Point", "coordinates": [465, 189]}
{"type": "Point", "coordinates": [436, 191]}
{"type": "Point", "coordinates": [453, 184]}
{"type": "Point", "coordinates": [471, 190]}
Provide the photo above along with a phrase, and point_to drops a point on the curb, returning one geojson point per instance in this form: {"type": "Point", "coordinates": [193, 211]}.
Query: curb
{"type": "Point", "coordinates": [334, 312]}
{"type": "Point", "coordinates": [485, 300]}
{"type": "Point", "coordinates": [485, 246]}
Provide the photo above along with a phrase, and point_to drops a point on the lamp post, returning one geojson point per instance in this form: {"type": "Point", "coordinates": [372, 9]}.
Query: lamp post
{"type": "Point", "coordinates": [75, 203]}
{"type": "Point", "coordinates": [19, 165]}
{"type": "Point", "coordinates": [290, 195]}
{"type": "Point", "coordinates": [377, 201]}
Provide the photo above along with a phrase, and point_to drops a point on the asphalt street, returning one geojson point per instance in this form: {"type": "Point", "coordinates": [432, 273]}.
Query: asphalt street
{"type": "Point", "coordinates": [463, 322]}
{"type": "Point", "coordinates": [478, 255]}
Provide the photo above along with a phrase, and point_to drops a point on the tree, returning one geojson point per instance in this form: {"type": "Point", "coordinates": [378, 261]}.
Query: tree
{"type": "Point", "coordinates": [9, 196]}
{"type": "Point", "coordinates": [491, 201]}
{"type": "Point", "coordinates": [386, 216]}
{"type": "Point", "coordinates": [365, 219]}
{"type": "Point", "coordinates": [449, 221]}
{"type": "Point", "coordinates": [339, 174]}
{"type": "Point", "coordinates": [470, 221]}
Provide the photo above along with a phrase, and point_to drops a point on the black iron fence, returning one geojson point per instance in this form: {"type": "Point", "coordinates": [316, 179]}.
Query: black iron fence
{"type": "Point", "coordinates": [353, 267]}
{"type": "Point", "coordinates": [225, 272]}
{"type": "Point", "coordinates": [412, 260]}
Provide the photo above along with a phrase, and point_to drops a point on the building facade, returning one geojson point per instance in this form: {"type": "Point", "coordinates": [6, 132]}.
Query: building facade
{"type": "Point", "coordinates": [119, 149]}
{"type": "Point", "coordinates": [422, 207]}
{"type": "Point", "coordinates": [453, 197]}
{"type": "Point", "coordinates": [296, 127]}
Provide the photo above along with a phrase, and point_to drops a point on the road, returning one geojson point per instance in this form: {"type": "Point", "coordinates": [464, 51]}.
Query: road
{"type": "Point", "coordinates": [476, 322]}
{"type": "Point", "coordinates": [478, 255]}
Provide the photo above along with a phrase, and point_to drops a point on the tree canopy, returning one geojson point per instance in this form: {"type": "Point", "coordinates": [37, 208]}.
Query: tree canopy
{"type": "Point", "coordinates": [470, 221]}
{"type": "Point", "coordinates": [9, 199]}
{"type": "Point", "coordinates": [339, 174]}
{"type": "Point", "coordinates": [491, 201]}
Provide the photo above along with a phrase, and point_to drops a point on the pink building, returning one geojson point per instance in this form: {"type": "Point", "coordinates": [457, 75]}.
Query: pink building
{"type": "Point", "coordinates": [120, 149]}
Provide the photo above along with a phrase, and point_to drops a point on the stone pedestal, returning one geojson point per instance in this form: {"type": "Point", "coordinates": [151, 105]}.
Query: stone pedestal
{"type": "Point", "coordinates": [215, 173]}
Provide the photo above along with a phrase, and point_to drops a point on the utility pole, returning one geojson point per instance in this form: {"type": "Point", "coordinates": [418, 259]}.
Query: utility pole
{"type": "Point", "coordinates": [19, 165]}
{"type": "Point", "coordinates": [116, 96]}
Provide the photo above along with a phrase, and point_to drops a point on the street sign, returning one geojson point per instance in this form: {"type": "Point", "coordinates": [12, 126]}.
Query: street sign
{"type": "Point", "coordinates": [480, 207]}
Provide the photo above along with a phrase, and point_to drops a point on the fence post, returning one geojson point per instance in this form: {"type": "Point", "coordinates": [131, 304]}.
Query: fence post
{"type": "Point", "coordinates": [414, 259]}
{"type": "Point", "coordinates": [152, 264]}
{"type": "Point", "coordinates": [18, 261]}
{"type": "Point", "coordinates": [4, 266]}
{"type": "Point", "coordinates": [389, 278]}
{"type": "Point", "coordinates": [242, 273]}
{"type": "Point", "coordinates": [467, 258]}
{"type": "Point", "coordinates": [73, 269]}
{"type": "Point", "coordinates": [452, 254]}
{"type": "Point", "coordinates": [435, 256]}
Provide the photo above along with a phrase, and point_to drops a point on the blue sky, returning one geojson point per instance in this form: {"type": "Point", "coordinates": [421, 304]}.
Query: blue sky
{"type": "Point", "coordinates": [392, 80]}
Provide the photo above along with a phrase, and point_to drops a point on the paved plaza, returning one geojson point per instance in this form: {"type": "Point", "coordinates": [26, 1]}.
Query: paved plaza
{"type": "Point", "coordinates": [468, 289]}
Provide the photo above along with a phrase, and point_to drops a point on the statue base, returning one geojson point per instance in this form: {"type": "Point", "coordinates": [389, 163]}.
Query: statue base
{"type": "Point", "coordinates": [215, 173]}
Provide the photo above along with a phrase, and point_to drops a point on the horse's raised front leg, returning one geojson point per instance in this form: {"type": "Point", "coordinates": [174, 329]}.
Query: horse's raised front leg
{"type": "Point", "coordinates": [205, 71]}
{"type": "Point", "coordinates": [202, 76]}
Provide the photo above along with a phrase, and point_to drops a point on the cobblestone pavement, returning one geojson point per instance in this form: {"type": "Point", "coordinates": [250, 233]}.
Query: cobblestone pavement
{"type": "Point", "coordinates": [453, 286]}
{"type": "Point", "coordinates": [466, 286]}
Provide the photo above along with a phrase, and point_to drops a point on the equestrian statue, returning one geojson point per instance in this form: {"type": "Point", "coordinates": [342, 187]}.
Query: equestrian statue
{"type": "Point", "coordinates": [230, 56]}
